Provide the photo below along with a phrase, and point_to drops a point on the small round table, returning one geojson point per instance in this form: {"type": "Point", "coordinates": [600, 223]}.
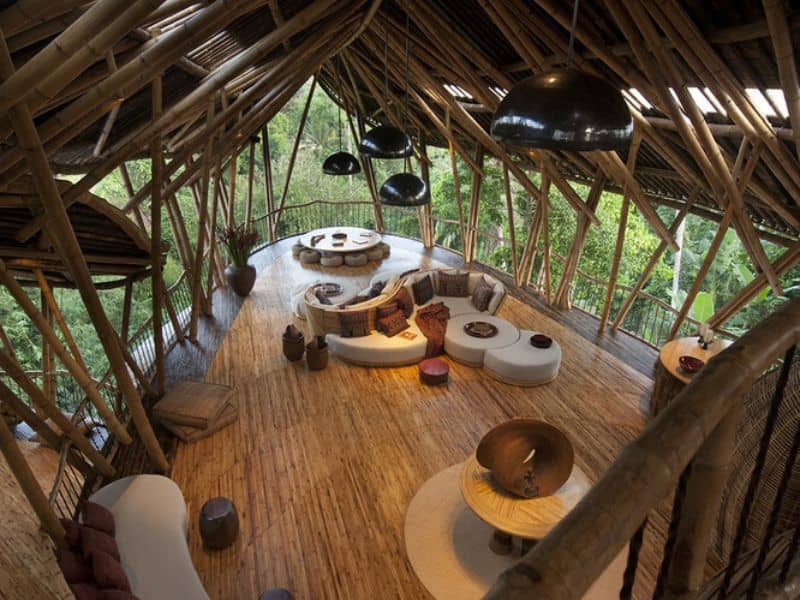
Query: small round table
{"type": "Point", "coordinates": [219, 523]}
{"type": "Point", "coordinates": [434, 371]}
{"type": "Point", "coordinates": [670, 379]}
{"type": "Point", "coordinates": [469, 350]}
{"type": "Point", "coordinates": [355, 239]}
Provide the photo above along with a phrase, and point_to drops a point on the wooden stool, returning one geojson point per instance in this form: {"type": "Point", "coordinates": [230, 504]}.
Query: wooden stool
{"type": "Point", "coordinates": [219, 523]}
{"type": "Point", "coordinates": [276, 594]}
{"type": "Point", "coordinates": [433, 371]}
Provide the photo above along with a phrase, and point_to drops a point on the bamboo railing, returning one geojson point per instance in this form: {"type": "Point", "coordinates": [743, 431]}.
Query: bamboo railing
{"type": "Point", "coordinates": [686, 448]}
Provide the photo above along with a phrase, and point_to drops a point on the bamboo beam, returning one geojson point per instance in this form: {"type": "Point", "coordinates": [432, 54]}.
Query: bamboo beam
{"type": "Point", "coordinates": [30, 486]}
{"type": "Point", "coordinates": [24, 412]}
{"type": "Point", "coordinates": [778, 23]}
{"type": "Point", "coordinates": [49, 409]}
{"type": "Point", "coordinates": [251, 165]}
{"type": "Point", "coordinates": [48, 365]}
{"type": "Point", "coordinates": [215, 202]}
{"type": "Point", "coordinates": [66, 243]}
{"type": "Point", "coordinates": [55, 311]}
{"type": "Point", "coordinates": [512, 233]}
{"type": "Point", "coordinates": [425, 212]}
{"type": "Point", "coordinates": [231, 198]}
{"type": "Point", "coordinates": [472, 223]}
{"type": "Point", "coordinates": [156, 275]}
{"type": "Point", "coordinates": [457, 189]}
{"type": "Point", "coordinates": [268, 194]}
{"type": "Point", "coordinates": [546, 235]}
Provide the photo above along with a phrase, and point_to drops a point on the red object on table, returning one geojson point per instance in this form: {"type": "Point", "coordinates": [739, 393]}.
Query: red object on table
{"type": "Point", "coordinates": [690, 364]}
{"type": "Point", "coordinates": [434, 371]}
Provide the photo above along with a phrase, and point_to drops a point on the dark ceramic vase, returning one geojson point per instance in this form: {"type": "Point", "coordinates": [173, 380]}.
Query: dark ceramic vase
{"type": "Point", "coordinates": [241, 279]}
{"type": "Point", "coordinates": [317, 355]}
{"type": "Point", "coordinates": [293, 348]}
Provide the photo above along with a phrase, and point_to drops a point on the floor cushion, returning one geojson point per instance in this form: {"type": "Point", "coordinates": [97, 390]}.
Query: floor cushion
{"type": "Point", "coordinates": [523, 364]}
{"type": "Point", "coordinates": [375, 253]}
{"type": "Point", "coordinates": [355, 259]}
{"type": "Point", "coordinates": [331, 260]}
{"type": "Point", "coordinates": [309, 257]}
{"type": "Point", "coordinates": [470, 350]}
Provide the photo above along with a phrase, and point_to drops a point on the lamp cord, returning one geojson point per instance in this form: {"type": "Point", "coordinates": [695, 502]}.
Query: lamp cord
{"type": "Point", "coordinates": [571, 48]}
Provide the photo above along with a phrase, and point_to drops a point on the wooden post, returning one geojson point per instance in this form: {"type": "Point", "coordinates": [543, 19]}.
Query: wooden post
{"type": "Point", "coordinates": [30, 486]}
{"type": "Point", "coordinates": [251, 164]}
{"type": "Point", "coordinates": [156, 277]}
{"type": "Point", "coordinates": [49, 299]}
{"type": "Point", "coordinates": [457, 188]}
{"type": "Point", "coordinates": [472, 224]}
{"type": "Point", "coordinates": [512, 233]}
{"type": "Point", "coordinates": [24, 412]}
{"type": "Point", "coordinates": [66, 244]}
{"type": "Point", "coordinates": [126, 312]}
{"type": "Point", "coordinates": [231, 220]}
{"type": "Point", "coordinates": [427, 216]}
{"type": "Point", "coordinates": [546, 235]}
{"type": "Point", "coordinates": [268, 193]}
{"type": "Point", "coordinates": [212, 248]}
{"type": "Point", "coordinates": [48, 364]}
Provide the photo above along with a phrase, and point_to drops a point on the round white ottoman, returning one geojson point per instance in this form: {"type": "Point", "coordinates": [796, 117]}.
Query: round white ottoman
{"type": "Point", "coordinates": [523, 364]}
{"type": "Point", "coordinates": [330, 259]}
{"type": "Point", "coordinates": [355, 259]}
{"type": "Point", "coordinates": [297, 248]}
{"type": "Point", "coordinates": [470, 350]}
{"type": "Point", "coordinates": [385, 248]}
{"type": "Point", "coordinates": [375, 253]}
{"type": "Point", "coordinates": [309, 257]}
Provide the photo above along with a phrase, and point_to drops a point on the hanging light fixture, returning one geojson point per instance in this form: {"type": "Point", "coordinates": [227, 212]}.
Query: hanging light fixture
{"type": "Point", "coordinates": [564, 109]}
{"type": "Point", "coordinates": [341, 162]}
{"type": "Point", "coordinates": [386, 141]}
{"type": "Point", "coordinates": [405, 189]}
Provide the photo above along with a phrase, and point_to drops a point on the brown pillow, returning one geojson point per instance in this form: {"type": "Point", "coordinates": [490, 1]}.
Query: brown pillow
{"type": "Point", "coordinates": [98, 517]}
{"type": "Point", "coordinates": [72, 530]}
{"type": "Point", "coordinates": [354, 323]}
{"type": "Point", "coordinates": [453, 284]}
{"type": "Point", "coordinates": [384, 310]}
{"type": "Point", "coordinates": [393, 324]}
{"type": "Point", "coordinates": [93, 540]}
{"type": "Point", "coordinates": [116, 595]}
{"type": "Point", "coordinates": [85, 591]}
{"type": "Point", "coordinates": [404, 301]}
{"type": "Point", "coordinates": [322, 298]}
{"type": "Point", "coordinates": [108, 573]}
{"type": "Point", "coordinates": [482, 295]}
{"type": "Point", "coordinates": [376, 289]}
{"type": "Point", "coordinates": [423, 290]}
{"type": "Point", "coordinates": [72, 566]}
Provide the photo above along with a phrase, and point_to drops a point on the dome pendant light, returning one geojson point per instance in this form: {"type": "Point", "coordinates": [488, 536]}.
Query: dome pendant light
{"type": "Point", "coordinates": [386, 141]}
{"type": "Point", "coordinates": [341, 162]}
{"type": "Point", "coordinates": [564, 109]}
{"type": "Point", "coordinates": [405, 189]}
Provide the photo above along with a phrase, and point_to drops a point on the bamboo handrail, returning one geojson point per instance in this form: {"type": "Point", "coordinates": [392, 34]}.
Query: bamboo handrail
{"type": "Point", "coordinates": [571, 557]}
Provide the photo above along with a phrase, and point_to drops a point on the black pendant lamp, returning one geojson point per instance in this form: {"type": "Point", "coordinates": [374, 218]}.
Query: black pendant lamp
{"type": "Point", "coordinates": [405, 189]}
{"type": "Point", "coordinates": [386, 141]}
{"type": "Point", "coordinates": [564, 109]}
{"type": "Point", "coordinates": [341, 163]}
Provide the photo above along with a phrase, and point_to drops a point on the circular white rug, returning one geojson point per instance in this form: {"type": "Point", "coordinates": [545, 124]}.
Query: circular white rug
{"type": "Point", "coordinates": [448, 545]}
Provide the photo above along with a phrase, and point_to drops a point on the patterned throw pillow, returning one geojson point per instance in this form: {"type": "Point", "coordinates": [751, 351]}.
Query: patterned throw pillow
{"type": "Point", "coordinates": [384, 310]}
{"type": "Point", "coordinates": [354, 323]}
{"type": "Point", "coordinates": [453, 284]}
{"type": "Point", "coordinates": [393, 324]}
{"type": "Point", "coordinates": [404, 301]}
{"type": "Point", "coordinates": [423, 290]}
{"type": "Point", "coordinates": [482, 295]}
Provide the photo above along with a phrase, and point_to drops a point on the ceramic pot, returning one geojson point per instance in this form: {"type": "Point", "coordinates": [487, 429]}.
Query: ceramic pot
{"type": "Point", "coordinates": [241, 279]}
{"type": "Point", "coordinates": [316, 356]}
{"type": "Point", "coordinates": [293, 348]}
{"type": "Point", "coordinates": [527, 457]}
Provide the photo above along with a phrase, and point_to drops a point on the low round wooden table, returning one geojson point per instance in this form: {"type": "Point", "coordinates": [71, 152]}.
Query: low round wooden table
{"type": "Point", "coordinates": [670, 378]}
{"type": "Point", "coordinates": [527, 518]}
{"type": "Point", "coordinates": [355, 239]}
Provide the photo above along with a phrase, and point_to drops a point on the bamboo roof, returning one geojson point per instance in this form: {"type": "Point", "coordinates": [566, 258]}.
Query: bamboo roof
{"type": "Point", "coordinates": [464, 55]}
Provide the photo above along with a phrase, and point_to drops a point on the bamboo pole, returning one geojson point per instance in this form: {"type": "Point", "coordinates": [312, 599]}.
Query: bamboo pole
{"type": "Point", "coordinates": [426, 215]}
{"type": "Point", "coordinates": [231, 197]}
{"type": "Point", "coordinates": [512, 233]}
{"type": "Point", "coordinates": [156, 277]}
{"type": "Point", "coordinates": [55, 311]}
{"type": "Point", "coordinates": [472, 223]}
{"type": "Point", "coordinates": [30, 486]}
{"type": "Point", "coordinates": [457, 190]}
{"type": "Point", "coordinates": [546, 235]}
{"type": "Point", "coordinates": [126, 312]}
{"type": "Point", "coordinates": [212, 248]}
{"type": "Point", "coordinates": [251, 165]}
{"type": "Point", "coordinates": [268, 194]}
{"type": "Point", "coordinates": [37, 398]}
{"type": "Point", "coordinates": [67, 246]}
{"type": "Point", "coordinates": [48, 364]}
{"type": "Point", "coordinates": [24, 412]}
{"type": "Point", "coordinates": [112, 116]}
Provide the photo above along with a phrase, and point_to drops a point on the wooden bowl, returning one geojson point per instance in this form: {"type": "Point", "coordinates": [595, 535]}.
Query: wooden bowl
{"type": "Point", "coordinates": [539, 340]}
{"type": "Point", "coordinates": [690, 364]}
{"type": "Point", "coordinates": [528, 458]}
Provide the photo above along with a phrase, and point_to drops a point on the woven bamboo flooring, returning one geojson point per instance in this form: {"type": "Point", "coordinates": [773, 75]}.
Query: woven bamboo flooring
{"type": "Point", "coordinates": [322, 465]}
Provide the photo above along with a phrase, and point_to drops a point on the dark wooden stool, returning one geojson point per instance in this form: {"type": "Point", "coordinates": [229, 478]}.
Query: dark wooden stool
{"type": "Point", "coordinates": [276, 594]}
{"type": "Point", "coordinates": [434, 371]}
{"type": "Point", "coordinates": [219, 523]}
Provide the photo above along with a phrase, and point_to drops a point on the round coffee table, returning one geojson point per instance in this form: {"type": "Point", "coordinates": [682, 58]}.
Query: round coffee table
{"type": "Point", "coordinates": [355, 239]}
{"type": "Point", "coordinates": [469, 350]}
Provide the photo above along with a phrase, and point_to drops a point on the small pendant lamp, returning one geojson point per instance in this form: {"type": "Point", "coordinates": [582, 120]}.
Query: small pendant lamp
{"type": "Point", "coordinates": [405, 189]}
{"type": "Point", "coordinates": [341, 162]}
{"type": "Point", "coordinates": [386, 141]}
{"type": "Point", "coordinates": [564, 109]}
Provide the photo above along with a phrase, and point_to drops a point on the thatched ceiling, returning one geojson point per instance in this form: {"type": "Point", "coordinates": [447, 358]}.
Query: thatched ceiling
{"type": "Point", "coordinates": [463, 55]}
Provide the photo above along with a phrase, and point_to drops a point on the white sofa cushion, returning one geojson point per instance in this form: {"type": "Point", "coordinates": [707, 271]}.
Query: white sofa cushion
{"type": "Point", "coordinates": [378, 350]}
{"type": "Point", "coordinates": [150, 517]}
{"type": "Point", "coordinates": [470, 350]}
{"type": "Point", "coordinates": [523, 364]}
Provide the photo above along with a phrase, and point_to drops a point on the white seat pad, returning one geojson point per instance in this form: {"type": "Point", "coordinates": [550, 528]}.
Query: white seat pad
{"type": "Point", "coordinates": [470, 350]}
{"type": "Point", "coordinates": [150, 517]}
{"type": "Point", "coordinates": [378, 350]}
{"type": "Point", "coordinates": [523, 364]}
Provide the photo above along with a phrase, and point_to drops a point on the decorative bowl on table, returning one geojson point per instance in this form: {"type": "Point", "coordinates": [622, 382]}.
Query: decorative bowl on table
{"type": "Point", "coordinates": [328, 289]}
{"type": "Point", "coordinates": [539, 340]}
{"type": "Point", "coordinates": [480, 329]}
{"type": "Point", "coordinates": [690, 364]}
{"type": "Point", "coordinates": [526, 457]}
{"type": "Point", "coordinates": [339, 235]}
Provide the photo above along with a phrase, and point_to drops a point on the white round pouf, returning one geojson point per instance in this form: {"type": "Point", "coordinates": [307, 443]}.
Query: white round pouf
{"type": "Point", "coordinates": [448, 545]}
{"type": "Point", "coordinates": [470, 350]}
{"type": "Point", "coordinates": [375, 253]}
{"type": "Point", "coordinates": [523, 364]}
{"type": "Point", "coordinates": [355, 259]}
{"type": "Point", "coordinates": [309, 257]}
{"type": "Point", "coordinates": [331, 260]}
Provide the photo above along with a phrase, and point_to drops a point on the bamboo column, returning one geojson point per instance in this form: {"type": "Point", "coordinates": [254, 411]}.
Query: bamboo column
{"type": "Point", "coordinates": [268, 192]}
{"type": "Point", "coordinates": [231, 219]}
{"type": "Point", "coordinates": [546, 239]}
{"type": "Point", "coordinates": [512, 233]}
{"type": "Point", "coordinates": [49, 300]}
{"type": "Point", "coordinates": [427, 215]}
{"type": "Point", "coordinates": [48, 364]}
{"type": "Point", "coordinates": [30, 486]}
{"type": "Point", "coordinates": [24, 412]}
{"type": "Point", "coordinates": [251, 164]}
{"type": "Point", "coordinates": [156, 276]}
{"type": "Point", "coordinates": [67, 246]}
{"type": "Point", "coordinates": [457, 188]}
{"type": "Point", "coordinates": [215, 202]}
{"type": "Point", "coordinates": [472, 223]}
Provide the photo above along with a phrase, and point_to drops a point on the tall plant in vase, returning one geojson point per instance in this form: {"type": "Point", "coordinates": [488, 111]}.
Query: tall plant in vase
{"type": "Point", "coordinates": [239, 241]}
